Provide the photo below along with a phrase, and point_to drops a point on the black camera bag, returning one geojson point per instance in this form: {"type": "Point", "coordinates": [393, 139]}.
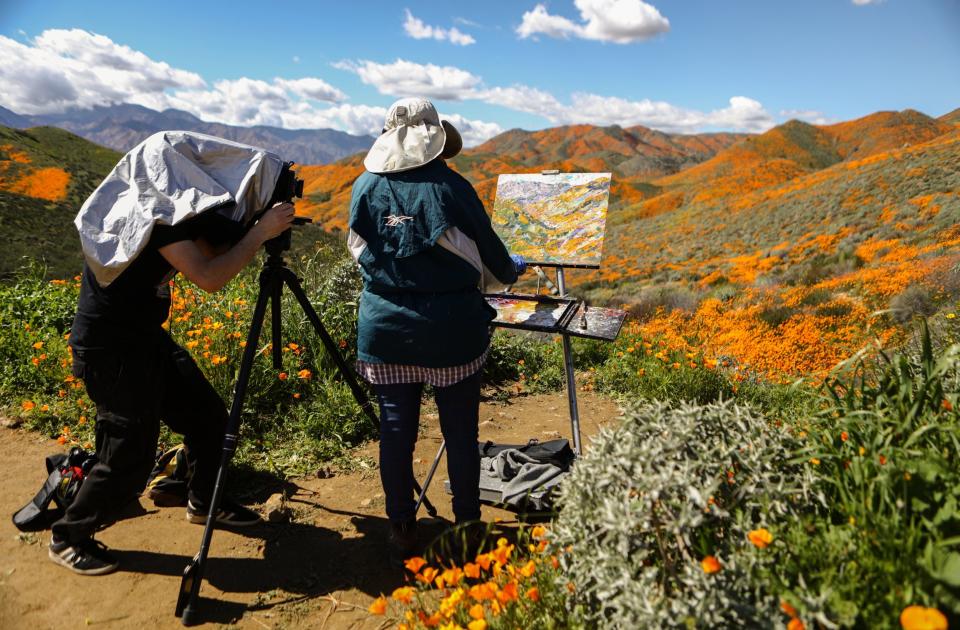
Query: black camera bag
{"type": "Point", "coordinates": [66, 472]}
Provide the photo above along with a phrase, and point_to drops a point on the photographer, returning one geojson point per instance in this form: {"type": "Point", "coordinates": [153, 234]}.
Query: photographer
{"type": "Point", "coordinates": [137, 376]}
{"type": "Point", "coordinates": [425, 246]}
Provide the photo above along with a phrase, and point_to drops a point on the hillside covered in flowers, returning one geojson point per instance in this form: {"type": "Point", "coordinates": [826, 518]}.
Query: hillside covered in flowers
{"type": "Point", "coordinates": [771, 250]}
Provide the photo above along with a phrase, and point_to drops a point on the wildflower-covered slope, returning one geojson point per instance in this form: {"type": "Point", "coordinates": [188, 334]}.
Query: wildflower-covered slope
{"type": "Point", "coordinates": [45, 174]}
{"type": "Point", "coordinates": [634, 155]}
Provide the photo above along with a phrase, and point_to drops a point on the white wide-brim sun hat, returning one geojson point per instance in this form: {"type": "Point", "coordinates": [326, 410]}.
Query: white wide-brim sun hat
{"type": "Point", "coordinates": [412, 136]}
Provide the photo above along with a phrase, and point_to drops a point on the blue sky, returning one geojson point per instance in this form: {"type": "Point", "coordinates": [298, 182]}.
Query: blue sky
{"type": "Point", "coordinates": [677, 65]}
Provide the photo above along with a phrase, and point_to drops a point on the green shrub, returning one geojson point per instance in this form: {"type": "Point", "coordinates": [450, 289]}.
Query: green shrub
{"type": "Point", "coordinates": [914, 301]}
{"type": "Point", "coordinates": [774, 316]}
{"type": "Point", "coordinates": [667, 298]}
{"type": "Point", "coordinates": [887, 447]}
{"type": "Point", "coordinates": [654, 497]}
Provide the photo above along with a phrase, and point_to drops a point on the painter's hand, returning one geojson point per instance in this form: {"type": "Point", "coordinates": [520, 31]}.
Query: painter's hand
{"type": "Point", "coordinates": [274, 221]}
{"type": "Point", "coordinates": [519, 264]}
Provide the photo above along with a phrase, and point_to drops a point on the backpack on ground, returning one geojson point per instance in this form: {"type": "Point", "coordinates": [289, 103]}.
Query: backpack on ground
{"type": "Point", "coordinates": [167, 484]}
{"type": "Point", "coordinates": [66, 472]}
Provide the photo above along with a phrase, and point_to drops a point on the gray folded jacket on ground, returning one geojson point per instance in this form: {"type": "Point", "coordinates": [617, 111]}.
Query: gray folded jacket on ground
{"type": "Point", "coordinates": [517, 475]}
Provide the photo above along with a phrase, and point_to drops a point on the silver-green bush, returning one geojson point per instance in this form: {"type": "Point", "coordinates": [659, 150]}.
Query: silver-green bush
{"type": "Point", "coordinates": [668, 487]}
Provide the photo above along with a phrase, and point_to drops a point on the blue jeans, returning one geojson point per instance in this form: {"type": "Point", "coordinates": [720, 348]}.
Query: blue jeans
{"type": "Point", "coordinates": [459, 408]}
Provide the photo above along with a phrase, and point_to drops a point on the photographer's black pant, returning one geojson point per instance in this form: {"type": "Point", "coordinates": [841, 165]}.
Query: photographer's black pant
{"type": "Point", "coordinates": [135, 387]}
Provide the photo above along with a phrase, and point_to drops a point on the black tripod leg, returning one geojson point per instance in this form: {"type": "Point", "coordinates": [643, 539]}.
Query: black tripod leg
{"type": "Point", "coordinates": [294, 283]}
{"type": "Point", "coordinates": [275, 325]}
{"type": "Point", "coordinates": [193, 574]}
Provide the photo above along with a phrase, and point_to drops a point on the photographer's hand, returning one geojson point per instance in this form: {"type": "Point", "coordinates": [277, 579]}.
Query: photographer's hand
{"type": "Point", "coordinates": [211, 273]}
{"type": "Point", "coordinates": [274, 222]}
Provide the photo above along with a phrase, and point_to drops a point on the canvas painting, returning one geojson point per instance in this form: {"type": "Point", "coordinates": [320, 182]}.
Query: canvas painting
{"type": "Point", "coordinates": [557, 219]}
{"type": "Point", "coordinates": [529, 313]}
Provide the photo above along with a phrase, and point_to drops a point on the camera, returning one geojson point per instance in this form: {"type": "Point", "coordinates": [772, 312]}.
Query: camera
{"type": "Point", "coordinates": [288, 186]}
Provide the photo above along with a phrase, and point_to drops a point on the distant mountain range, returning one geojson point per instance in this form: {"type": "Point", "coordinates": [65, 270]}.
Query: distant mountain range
{"type": "Point", "coordinates": [121, 127]}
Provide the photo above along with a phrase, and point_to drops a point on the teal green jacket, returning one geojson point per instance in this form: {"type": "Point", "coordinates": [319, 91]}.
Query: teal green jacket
{"type": "Point", "coordinates": [423, 242]}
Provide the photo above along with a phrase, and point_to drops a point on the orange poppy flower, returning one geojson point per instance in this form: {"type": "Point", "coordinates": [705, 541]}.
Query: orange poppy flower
{"type": "Point", "coordinates": [427, 575]}
{"type": "Point", "coordinates": [481, 592]}
{"type": "Point", "coordinates": [414, 564]}
{"type": "Point", "coordinates": [403, 594]}
{"type": "Point", "coordinates": [788, 610]}
{"type": "Point", "coordinates": [921, 618]}
{"type": "Point", "coordinates": [760, 538]}
{"type": "Point", "coordinates": [379, 606]}
{"type": "Point", "coordinates": [508, 593]}
{"type": "Point", "coordinates": [710, 564]}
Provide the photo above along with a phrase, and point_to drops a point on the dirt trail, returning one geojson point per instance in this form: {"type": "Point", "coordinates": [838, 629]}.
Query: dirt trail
{"type": "Point", "coordinates": [320, 570]}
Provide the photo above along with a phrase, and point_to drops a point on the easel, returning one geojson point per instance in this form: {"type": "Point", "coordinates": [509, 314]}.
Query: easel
{"type": "Point", "coordinates": [571, 384]}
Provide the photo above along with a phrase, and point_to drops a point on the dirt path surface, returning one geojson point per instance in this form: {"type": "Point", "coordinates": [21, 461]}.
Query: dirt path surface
{"type": "Point", "coordinates": [321, 570]}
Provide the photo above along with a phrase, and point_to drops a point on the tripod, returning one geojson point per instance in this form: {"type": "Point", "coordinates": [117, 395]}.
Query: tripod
{"type": "Point", "coordinates": [273, 277]}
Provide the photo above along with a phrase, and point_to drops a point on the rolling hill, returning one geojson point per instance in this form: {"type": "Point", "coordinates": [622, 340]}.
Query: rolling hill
{"type": "Point", "coordinates": [45, 175]}
{"type": "Point", "coordinates": [952, 117]}
{"type": "Point", "coordinates": [773, 250]}
{"type": "Point", "coordinates": [635, 155]}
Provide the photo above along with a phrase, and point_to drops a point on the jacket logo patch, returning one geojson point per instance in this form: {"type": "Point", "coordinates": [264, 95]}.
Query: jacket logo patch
{"type": "Point", "coordinates": [396, 220]}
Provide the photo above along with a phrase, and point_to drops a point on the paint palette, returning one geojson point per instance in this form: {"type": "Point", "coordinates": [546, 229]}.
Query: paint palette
{"type": "Point", "coordinates": [594, 322]}
{"type": "Point", "coordinates": [532, 312]}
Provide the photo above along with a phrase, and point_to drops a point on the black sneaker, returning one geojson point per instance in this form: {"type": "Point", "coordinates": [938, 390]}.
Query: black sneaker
{"type": "Point", "coordinates": [229, 514]}
{"type": "Point", "coordinates": [89, 557]}
{"type": "Point", "coordinates": [403, 542]}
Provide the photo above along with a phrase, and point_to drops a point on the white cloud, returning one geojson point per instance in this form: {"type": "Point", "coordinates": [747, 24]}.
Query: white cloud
{"type": "Point", "coordinates": [619, 21]}
{"type": "Point", "coordinates": [743, 114]}
{"type": "Point", "coordinates": [539, 22]}
{"type": "Point", "coordinates": [75, 68]}
{"type": "Point", "coordinates": [63, 69]}
{"type": "Point", "coordinates": [407, 78]}
{"type": "Point", "coordinates": [523, 98]}
{"type": "Point", "coordinates": [473, 132]}
{"type": "Point", "coordinates": [356, 119]}
{"type": "Point", "coordinates": [311, 87]}
{"type": "Point", "coordinates": [466, 22]}
{"type": "Point", "coordinates": [861, 3]}
{"type": "Point", "coordinates": [807, 115]}
{"type": "Point", "coordinates": [417, 29]}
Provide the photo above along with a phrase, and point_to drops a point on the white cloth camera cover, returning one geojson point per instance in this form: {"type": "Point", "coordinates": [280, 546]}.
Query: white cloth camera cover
{"type": "Point", "coordinates": [168, 178]}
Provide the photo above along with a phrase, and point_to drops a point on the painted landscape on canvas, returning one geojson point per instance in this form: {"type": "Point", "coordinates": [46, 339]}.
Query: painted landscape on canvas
{"type": "Point", "coordinates": [553, 218]}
